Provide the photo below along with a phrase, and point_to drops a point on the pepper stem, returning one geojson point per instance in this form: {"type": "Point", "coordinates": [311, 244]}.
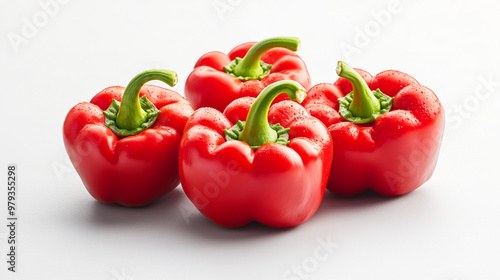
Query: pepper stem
{"type": "Point", "coordinates": [257, 131]}
{"type": "Point", "coordinates": [362, 105]}
{"type": "Point", "coordinates": [251, 67]}
{"type": "Point", "coordinates": [131, 115]}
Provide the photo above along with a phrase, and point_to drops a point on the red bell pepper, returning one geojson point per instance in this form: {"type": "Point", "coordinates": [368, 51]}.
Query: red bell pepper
{"type": "Point", "coordinates": [387, 130]}
{"type": "Point", "coordinates": [125, 148]}
{"type": "Point", "coordinates": [218, 79]}
{"type": "Point", "coordinates": [250, 164]}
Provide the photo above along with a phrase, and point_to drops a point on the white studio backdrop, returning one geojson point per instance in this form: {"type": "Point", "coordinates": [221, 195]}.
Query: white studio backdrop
{"type": "Point", "coordinates": [57, 53]}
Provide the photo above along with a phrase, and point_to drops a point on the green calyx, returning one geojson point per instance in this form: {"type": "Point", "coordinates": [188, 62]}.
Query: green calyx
{"type": "Point", "coordinates": [257, 73]}
{"type": "Point", "coordinates": [362, 105]}
{"type": "Point", "coordinates": [150, 115]}
{"type": "Point", "coordinates": [133, 114]}
{"type": "Point", "coordinates": [251, 67]}
{"type": "Point", "coordinates": [256, 130]}
{"type": "Point", "coordinates": [234, 133]}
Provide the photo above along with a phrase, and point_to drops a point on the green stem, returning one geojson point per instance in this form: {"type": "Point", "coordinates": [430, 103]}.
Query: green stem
{"type": "Point", "coordinates": [131, 115]}
{"type": "Point", "coordinates": [364, 103]}
{"type": "Point", "coordinates": [251, 67]}
{"type": "Point", "coordinates": [257, 131]}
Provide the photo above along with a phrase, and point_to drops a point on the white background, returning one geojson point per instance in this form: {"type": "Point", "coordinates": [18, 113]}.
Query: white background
{"type": "Point", "coordinates": [448, 229]}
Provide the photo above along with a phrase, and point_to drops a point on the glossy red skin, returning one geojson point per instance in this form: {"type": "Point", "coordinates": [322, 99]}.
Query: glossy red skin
{"type": "Point", "coordinates": [209, 86]}
{"type": "Point", "coordinates": [392, 156]}
{"type": "Point", "coordinates": [134, 170]}
{"type": "Point", "coordinates": [279, 186]}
